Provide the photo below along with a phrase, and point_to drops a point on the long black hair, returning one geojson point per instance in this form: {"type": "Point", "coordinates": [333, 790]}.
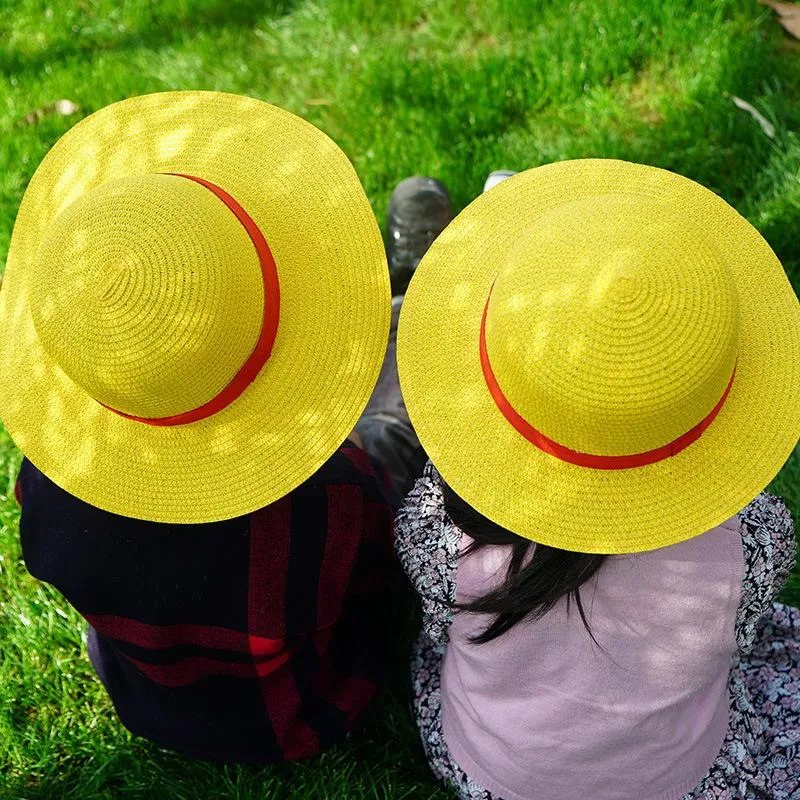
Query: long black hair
{"type": "Point", "coordinates": [532, 586]}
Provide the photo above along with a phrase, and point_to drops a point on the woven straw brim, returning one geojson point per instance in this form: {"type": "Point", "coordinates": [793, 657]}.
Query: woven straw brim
{"type": "Point", "coordinates": [335, 306]}
{"type": "Point", "coordinates": [505, 477]}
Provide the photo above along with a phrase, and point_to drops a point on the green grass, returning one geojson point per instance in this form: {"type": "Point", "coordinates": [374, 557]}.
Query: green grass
{"type": "Point", "coordinates": [449, 88]}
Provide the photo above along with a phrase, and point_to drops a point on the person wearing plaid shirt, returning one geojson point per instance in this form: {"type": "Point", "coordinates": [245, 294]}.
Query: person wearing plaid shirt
{"type": "Point", "coordinates": [264, 637]}
{"type": "Point", "coordinates": [261, 638]}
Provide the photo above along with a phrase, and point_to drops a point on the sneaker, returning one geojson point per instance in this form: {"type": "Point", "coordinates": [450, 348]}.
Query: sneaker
{"type": "Point", "coordinates": [496, 177]}
{"type": "Point", "coordinates": [419, 210]}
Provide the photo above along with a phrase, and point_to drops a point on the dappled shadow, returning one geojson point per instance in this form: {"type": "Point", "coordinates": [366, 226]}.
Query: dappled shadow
{"type": "Point", "coordinates": [230, 142]}
{"type": "Point", "coordinates": [654, 683]}
{"type": "Point", "coordinates": [643, 108]}
{"type": "Point", "coordinates": [165, 25]}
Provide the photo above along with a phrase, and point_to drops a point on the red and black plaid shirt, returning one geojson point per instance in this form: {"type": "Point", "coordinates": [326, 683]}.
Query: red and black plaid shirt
{"type": "Point", "coordinates": [261, 638]}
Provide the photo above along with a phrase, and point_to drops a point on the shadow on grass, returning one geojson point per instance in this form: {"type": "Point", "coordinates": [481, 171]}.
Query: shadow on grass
{"type": "Point", "coordinates": [165, 24]}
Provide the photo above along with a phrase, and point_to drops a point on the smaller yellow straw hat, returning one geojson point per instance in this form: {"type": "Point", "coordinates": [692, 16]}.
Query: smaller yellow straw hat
{"type": "Point", "coordinates": [602, 357]}
{"type": "Point", "coordinates": [195, 307]}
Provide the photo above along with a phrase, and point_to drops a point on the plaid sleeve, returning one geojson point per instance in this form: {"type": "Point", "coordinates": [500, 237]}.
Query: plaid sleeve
{"type": "Point", "coordinates": [328, 577]}
{"type": "Point", "coordinates": [331, 540]}
{"type": "Point", "coordinates": [374, 561]}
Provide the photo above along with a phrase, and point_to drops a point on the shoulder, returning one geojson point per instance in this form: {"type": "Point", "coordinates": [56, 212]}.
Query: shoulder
{"type": "Point", "coordinates": [425, 501]}
{"type": "Point", "coordinates": [767, 518]}
{"type": "Point", "coordinates": [422, 522]}
{"type": "Point", "coordinates": [32, 478]}
{"type": "Point", "coordinates": [427, 544]}
{"type": "Point", "coordinates": [767, 534]}
{"type": "Point", "coordinates": [353, 466]}
{"type": "Point", "coordinates": [39, 496]}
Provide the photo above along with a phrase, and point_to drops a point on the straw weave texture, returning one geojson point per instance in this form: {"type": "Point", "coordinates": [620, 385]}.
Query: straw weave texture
{"type": "Point", "coordinates": [147, 295]}
{"type": "Point", "coordinates": [621, 298]}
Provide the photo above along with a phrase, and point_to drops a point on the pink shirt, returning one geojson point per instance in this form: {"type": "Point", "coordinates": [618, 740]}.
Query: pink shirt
{"type": "Point", "coordinates": [641, 719]}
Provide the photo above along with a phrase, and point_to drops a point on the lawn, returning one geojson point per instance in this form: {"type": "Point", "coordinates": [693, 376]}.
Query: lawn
{"type": "Point", "coordinates": [449, 88]}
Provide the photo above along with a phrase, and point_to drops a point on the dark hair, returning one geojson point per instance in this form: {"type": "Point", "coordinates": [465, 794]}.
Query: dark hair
{"type": "Point", "coordinates": [531, 589]}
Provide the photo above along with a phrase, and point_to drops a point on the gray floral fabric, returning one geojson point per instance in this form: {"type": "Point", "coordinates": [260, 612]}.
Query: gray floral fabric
{"type": "Point", "coordinates": [769, 554]}
{"type": "Point", "coordinates": [427, 542]}
{"type": "Point", "coordinates": [426, 672]}
{"type": "Point", "coordinates": [760, 757]}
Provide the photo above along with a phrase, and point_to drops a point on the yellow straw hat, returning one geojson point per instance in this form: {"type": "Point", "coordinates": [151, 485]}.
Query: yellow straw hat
{"type": "Point", "coordinates": [602, 357]}
{"type": "Point", "coordinates": [195, 307]}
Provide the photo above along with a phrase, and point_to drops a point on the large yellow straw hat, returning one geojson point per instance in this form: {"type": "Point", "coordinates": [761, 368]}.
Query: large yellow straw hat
{"type": "Point", "coordinates": [603, 357]}
{"type": "Point", "coordinates": [195, 307]}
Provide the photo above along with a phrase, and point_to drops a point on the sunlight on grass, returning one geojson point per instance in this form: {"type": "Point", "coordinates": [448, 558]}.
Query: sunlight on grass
{"type": "Point", "coordinates": [446, 88]}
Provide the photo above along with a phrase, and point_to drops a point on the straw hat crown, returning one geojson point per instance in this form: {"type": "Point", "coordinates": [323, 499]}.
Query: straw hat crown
{"type": "Point", "coordinates": [148, 294]}
{"type": "Point", "coordinates": [612, 326]}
